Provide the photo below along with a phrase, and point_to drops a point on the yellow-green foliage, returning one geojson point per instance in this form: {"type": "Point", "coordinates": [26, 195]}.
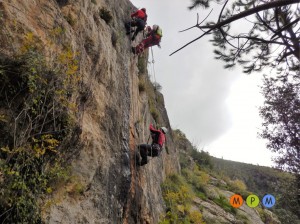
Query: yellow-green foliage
{"type": "Point", "coordinates": [57, 31]}
{"type": "Point", "coordinates": [69, 64]}
{"type": "Point", "coordinates": [196, 217]}
{"type": "Point", "coordinates": [197, 178]}
{"type": "Point", "coordinates": [202, 176]}
{"type": "Point", "coordinates": [25, 177]}
{"type": "Point", "coordinates": [2, 118]}
{"type": "Point", "coordinates": [182, 196]}
{"type": "Point", "coordinates": [38, 127]}
{"type": "Point", "coordinates": [223, 202]}
{"type": "Point", "coordinates": [178, 196]}
{"type": "Point", "coordinates": [30, 43]}
{"type": "Point", "coordinates": [56, 34]}
{"type": "Point", "coordinates": [239, 185]}
{"type": "Point", "coordinates": [43, 144]}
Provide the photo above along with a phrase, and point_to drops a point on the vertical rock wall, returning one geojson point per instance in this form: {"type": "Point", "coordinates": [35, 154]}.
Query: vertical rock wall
{"type": "Point", "coordinates": [114, 115]}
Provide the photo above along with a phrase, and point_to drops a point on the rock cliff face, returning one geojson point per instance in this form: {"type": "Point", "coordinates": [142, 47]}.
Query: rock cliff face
{"type": "Point", "coordinates": [114, 102]}
{"type": "Point", "coordinates": [114, 114]}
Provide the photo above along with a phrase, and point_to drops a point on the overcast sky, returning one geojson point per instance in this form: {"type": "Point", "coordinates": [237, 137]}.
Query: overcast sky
{"type": "Point", "coordinates": [217, 109]}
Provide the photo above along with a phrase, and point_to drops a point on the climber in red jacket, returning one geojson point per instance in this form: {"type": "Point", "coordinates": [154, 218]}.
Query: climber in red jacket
{"type": "Point", "coordinates": [139, 20]}
{"type": "Point", "coordinates": [154, 35]}
{"type": "Point", "coordinates": [153, 150]}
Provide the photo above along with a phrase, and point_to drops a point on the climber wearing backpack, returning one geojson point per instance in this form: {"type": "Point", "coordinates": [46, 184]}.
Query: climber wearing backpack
{"type": "Point", "coordinates": [153, 150]}
{"type": "Point", "coordinates": [154, 35]}
{"type": "Point", "coordinates": [139, 20]}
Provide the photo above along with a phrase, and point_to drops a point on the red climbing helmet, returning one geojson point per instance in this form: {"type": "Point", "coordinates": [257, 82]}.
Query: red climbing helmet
{"type": "Point", "coordinates": [144, 10]}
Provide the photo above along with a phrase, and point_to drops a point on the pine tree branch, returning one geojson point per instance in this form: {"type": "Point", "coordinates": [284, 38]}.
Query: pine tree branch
{"type": "Point", "coordinates": [285, 27]}
{"type": "Point", "coordinates": [197, 24]}
{"type": "Point", "coordinates": [266, 6]}
{"type": "Point", "coordinates": [262, 40]}
{"type": "Point", "coordinates": [269, 5]}
{"type": "Point", "coordinates": [278, 11]}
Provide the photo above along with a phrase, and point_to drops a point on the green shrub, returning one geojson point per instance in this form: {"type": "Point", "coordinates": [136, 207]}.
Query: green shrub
{"type": "Point", "coordinates": [178, 196]}
{"type": "Point", "coordinates": [57, 34]}
{"type": "Point", "coordinates": [196, 217]}
{"type": "Point", "coordinates": [201, 195]}
{"type": "Point", "coordinates": [198, 179]}
{"type": "Point", "coordinates": [238, 186]}
{"type": "Point", "coordinates": [173, 182]}
{"type": "Point", "coordinates": [224, 203]}
{"type": "Point", "coordinates": [38, 129]}
{"type": "Point", "coordinates": [202, 158]}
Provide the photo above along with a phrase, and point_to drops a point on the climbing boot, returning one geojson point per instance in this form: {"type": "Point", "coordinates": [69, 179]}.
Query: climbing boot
{"type": "Point", "coordinates": [143, 162]}
{"type": "Point", "coordinates": [127, 27]}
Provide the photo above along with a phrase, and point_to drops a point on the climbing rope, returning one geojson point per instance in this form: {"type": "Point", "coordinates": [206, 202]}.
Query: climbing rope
{"type": "Point", "coordinates": [153, 67]}
{"type": "Point", "coordinates": [136, 151]}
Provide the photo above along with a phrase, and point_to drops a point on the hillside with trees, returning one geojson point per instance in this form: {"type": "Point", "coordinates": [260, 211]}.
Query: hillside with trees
{"type": "Point", "coordinates": [206, 183]}
{"type": "Point", "coordinates": [262, 180]}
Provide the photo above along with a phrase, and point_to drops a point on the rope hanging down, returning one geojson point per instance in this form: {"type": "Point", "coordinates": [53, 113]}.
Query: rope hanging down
{"type": "Point", "coordinates": [152, 68]}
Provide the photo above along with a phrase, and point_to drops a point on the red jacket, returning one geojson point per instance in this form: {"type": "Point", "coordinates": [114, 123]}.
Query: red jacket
{"type": "Point", "coordinates": [139, 14]}
{"type": "Point", "coordinates": [159, 136]}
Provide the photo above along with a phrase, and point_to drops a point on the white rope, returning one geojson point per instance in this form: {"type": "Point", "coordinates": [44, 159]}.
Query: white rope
{"type": "Point", "coordinates": [153, 66]}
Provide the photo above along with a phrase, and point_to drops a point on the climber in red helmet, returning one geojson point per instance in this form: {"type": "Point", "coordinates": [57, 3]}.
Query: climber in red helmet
{"type": "Point", "coordinates": [138, 20]}
{"type": "Point", "coordinates": [154, 35]}
{"type": "Point", "coordinates": [153, 150]}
